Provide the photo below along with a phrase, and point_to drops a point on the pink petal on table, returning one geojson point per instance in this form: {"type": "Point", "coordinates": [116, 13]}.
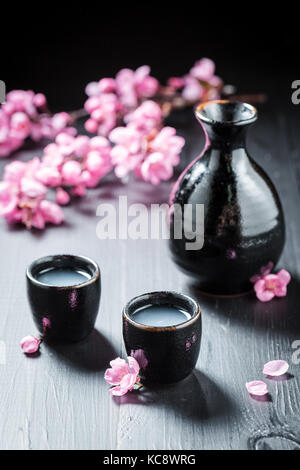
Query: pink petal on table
{"type": "Point", "coordinates": [275, 368]}
{"type": "Point", "coordinates": [257, 387]}
{"type": "Point", "coordinates": [30, 344]}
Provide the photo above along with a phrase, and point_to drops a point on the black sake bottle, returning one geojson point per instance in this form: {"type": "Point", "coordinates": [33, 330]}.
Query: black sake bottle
{"type": "Point", "coordinates": [243, 223]}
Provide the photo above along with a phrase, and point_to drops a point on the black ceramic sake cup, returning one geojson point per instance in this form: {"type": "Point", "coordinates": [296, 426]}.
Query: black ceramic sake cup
{"type": "Point", "coordinates": [165, 354]}
{"type": "Point", "coordinates": [64, 313]}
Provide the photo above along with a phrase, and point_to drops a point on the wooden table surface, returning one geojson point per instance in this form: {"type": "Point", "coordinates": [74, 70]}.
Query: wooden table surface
{"type": "Point", "coordinates": [60, 399]}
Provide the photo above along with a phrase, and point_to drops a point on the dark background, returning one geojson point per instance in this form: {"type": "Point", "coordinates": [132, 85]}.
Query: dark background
{"type": "Point", "coordinates": [59, 49]}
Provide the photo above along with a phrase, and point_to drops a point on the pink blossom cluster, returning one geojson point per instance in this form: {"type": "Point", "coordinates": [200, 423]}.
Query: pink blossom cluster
{"type": "Point", "coordinates": [111, 99]}
{"type": "Point", "coordinates": [25, 114]}
{"type": "Point", "coordinates": [23, 197]}
{"type": "Point", "coordinates": [144, 147]}
{"type": "Point", "coordinates": [74, 163]}
{"type": "Point", "coordinates": [70, 164]}
{"type": "Point", "coordinates": [200, 83]}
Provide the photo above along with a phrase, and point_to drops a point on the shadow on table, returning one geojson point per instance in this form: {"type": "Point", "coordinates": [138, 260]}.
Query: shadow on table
{"type": "Point", "coordinates": [92, 354]}
{"type": "Point", "coordinates": [36, 232]}
{"type": "Point", "coordinates": [196, 398]}
{"type": "Point", "coordinates": [280, 314]}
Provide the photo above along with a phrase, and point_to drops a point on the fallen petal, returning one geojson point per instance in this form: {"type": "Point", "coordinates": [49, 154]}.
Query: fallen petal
{"type": "Point", "coordinates": [30, 344]}
{"type": "Point", "coordinates": [275, 368]}
{"type": "Point", "coordinates": [257, 387]}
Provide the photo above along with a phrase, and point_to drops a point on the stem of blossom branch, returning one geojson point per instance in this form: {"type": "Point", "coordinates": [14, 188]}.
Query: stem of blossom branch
{"type": "Point", "coordinates": [259, 98]}
{"type": "Point", "coordinates": [78, 113]}
{"type": "Point", "coordinates": [172, 101]}
{"type": "Point", "coordinates": [177, 102]}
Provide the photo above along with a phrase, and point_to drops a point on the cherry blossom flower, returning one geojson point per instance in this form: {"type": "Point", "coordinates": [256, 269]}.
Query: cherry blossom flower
{"type": "Point", "coordinates": [133, 85]}
{"type": "Point", "coordinates": [49, 175]}
{"type": "Point", "coordinates": [104, 111]}
{"type": "Point", "coordinates": [203, 69]}
{"type": "Point", "coordinates": [107, 85]}
{"type": "Point", "coordinates": [31, 188]}
{"type": "Point", "coordinates": [51, 212]}
{"type": "Point", "coordinates": [8, 140]}
{"type": "Point", "coordinates": [20, 124]}
{"type": "Point", "coordinates": [272, 285]}
{"type": "Point", "coordinates": [146, 117]}
{"type": "Point", "coordinates": [193, 90]}
{"type": "Point", "coordinates": [62, 197]}
{"type": "Point", "coordinates": [80, 161]}
{"type": "Point", "coordinates": [71, 171]}
{"type": "Point", "coordinates": [92, 89]}
{"type": "Point", "coordinates": [275, 368]}
{"type": "Point", "coordinates": [122, 375]}
{"type": "Point", "coordinates": [22, 196]}
{"type": "Point", "coordinates": [142, 148]}
{"type": "Point", "coordinates": [162, 157]}
{"type": "Point", "coordinates": [91, 126]}
{"type": "Point", "coordinates": [111, 99]}
{"type": "Point", "coordinates": [201, 83]}
{"type": "Point", "coordinates": [127, 152]}
{"type": "Point", "coordinates": [257, 387]}
{"type": "Point", "coordinates": [30, 344]}
{"type": "Point", "coordinates": [155, 168]}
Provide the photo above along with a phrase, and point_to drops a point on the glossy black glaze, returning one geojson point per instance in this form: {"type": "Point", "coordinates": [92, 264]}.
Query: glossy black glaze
{"type": "Point", "coordinates": [243, 219]}
{"type": "Point", "coordinates": [166, 354]}
{"type": "Point", "coordinates": [64, 313]}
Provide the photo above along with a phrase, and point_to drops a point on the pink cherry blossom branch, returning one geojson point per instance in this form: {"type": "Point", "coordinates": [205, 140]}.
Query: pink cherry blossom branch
{"type": "Point", "coordinates": [127, 112]}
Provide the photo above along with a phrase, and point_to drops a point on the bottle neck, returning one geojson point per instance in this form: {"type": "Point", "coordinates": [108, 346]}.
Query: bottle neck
{"type": "Point", "coordinates": [226, 137]}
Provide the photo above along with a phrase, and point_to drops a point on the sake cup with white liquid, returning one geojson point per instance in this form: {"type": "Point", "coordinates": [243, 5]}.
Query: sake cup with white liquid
{"type": "Point", "coordinates": [64, 295]}
{"type": "Point", "coordinates": [162, 331]}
